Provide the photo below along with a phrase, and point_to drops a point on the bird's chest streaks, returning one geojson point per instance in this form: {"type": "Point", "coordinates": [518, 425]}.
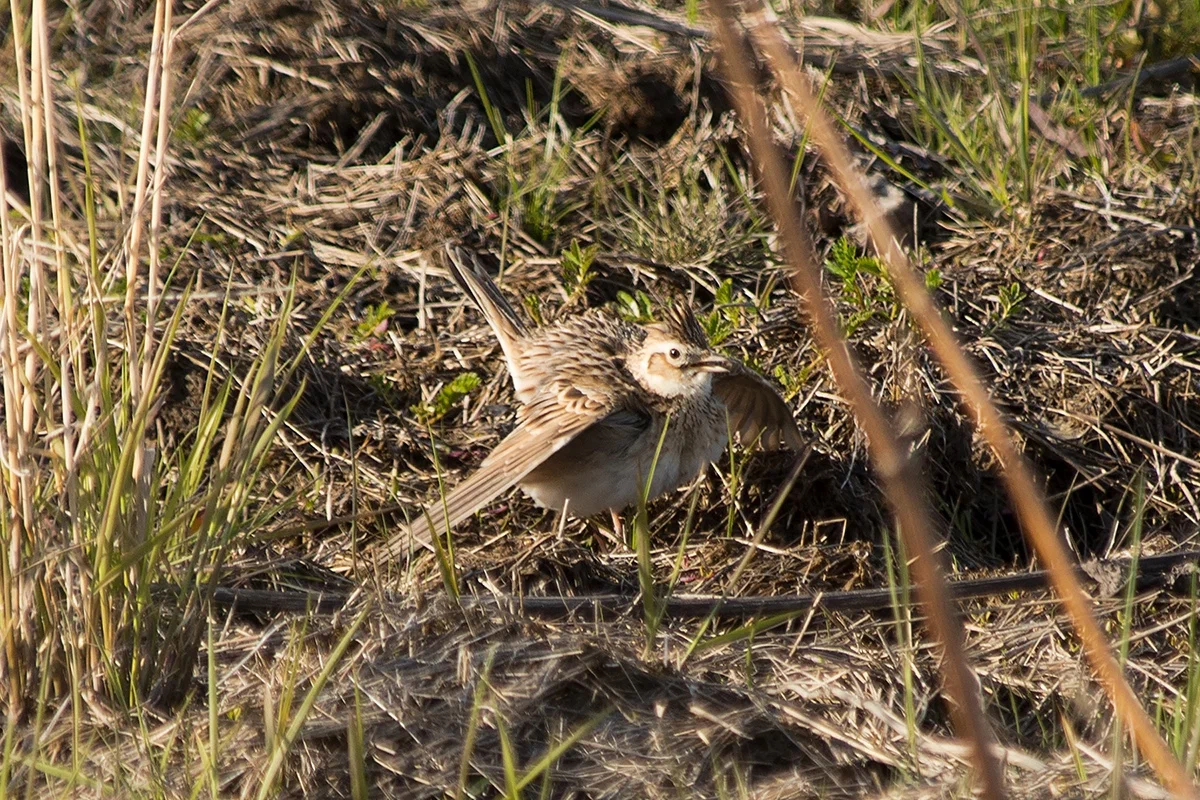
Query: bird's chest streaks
{"type": "Point", "coordinates": [607, 465]}
{"type": "Point", "coordinates": [695, 437]}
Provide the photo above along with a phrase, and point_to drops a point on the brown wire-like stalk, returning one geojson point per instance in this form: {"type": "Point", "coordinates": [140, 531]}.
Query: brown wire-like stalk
{"type": "Point", "coordinates": [69, 349]}
{"type": "Point", "coordinates": [20, 390]}
{"type": "Point", "coordinates": [904, 488]}
{"type": "Point", "coordinates": [158, 88]}
{"type": "Point", "coordinates": [1036, 520]}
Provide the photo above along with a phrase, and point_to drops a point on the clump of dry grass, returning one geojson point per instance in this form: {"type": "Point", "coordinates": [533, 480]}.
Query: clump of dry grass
{"type": "Point", "coordinates": [814, 709]}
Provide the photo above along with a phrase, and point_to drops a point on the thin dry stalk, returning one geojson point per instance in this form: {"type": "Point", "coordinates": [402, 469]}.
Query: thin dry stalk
{"type": "Point", "coordinates": [11, 568]}
{"type": "Point", "coordinates": [153, 75]}
{"type": "Point", "coordinates": [902, 484]}
{"type": "Point", "coordinates": [19, 383]}
{"type": "Point", "coordinates": [43, 162]}
{"type": "Point", "coordinates": [31, 105]}
{"type": "Point", "coordinates": [160, 179]}
{"type": "Point", "coordinates": [141, 363]}
{"type": "Point", "coordinates": [1036, 519]}
{"type": "Point", "coordinates": [69, 344]}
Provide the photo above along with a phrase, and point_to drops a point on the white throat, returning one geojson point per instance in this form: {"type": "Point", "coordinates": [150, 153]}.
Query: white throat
{"type": "Point", "coordinates": [670, 383]}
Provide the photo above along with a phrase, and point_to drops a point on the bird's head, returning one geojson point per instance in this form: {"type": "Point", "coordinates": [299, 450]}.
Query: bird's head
{"type": "Point", "coordinates": [675, 359]}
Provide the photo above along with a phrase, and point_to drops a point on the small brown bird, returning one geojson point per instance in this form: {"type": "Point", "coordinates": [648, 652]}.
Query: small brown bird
{"type": "Point", "coordinates": [596, 392]}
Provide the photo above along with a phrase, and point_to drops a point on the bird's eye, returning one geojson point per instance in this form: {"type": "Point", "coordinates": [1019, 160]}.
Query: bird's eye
{"type": "Point", "coordinates": [674, 354]}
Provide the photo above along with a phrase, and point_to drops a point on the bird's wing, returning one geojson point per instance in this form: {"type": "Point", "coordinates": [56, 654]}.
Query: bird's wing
{"type": "Point", "coordinates": [549, 422]}
{"type": "Point", "coordinates": [756, 409]}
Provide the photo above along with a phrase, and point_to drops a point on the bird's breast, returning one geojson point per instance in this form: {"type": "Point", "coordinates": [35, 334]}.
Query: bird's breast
{"type": "Point", "coordinates": [607, 466]}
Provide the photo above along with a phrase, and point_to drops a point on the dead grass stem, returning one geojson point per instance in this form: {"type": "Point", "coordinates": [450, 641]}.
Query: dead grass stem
{"type": "Point", "coordinates": [905, 490]}
{"type": "Point", "coordinates": [1037, 522]}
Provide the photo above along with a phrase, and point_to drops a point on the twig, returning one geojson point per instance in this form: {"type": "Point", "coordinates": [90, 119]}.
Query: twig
{"type": "Point", "coordinates": [1134, 80]}
{"type": "Point", "coordinates": [1151, 571]}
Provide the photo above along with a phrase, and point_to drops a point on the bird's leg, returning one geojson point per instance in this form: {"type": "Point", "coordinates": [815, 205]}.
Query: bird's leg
{"type": "Point", "coordinates": [612, 539]}
{"type": "Point", "coordinates": [618, 525]}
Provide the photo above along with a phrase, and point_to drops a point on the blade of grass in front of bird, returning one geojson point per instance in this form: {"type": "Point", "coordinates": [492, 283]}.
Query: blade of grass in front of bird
{"type": "Point", "coordinates": [651, 613]}
{"type": "Point", "coordinates": [681, 550]}
{"type": "Point", "coordinates": [744, 562]}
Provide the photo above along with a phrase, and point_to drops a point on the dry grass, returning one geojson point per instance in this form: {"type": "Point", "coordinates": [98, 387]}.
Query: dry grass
{"type": "Point", "coordinates": [320, 141]}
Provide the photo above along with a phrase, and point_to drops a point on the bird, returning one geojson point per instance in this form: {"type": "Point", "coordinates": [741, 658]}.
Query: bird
{"type": "Point", "coordinates": [596, 392]}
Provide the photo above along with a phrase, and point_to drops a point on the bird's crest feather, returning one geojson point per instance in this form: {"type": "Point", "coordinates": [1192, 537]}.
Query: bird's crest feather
{"type": "Point", "coordinates": [680, 321]}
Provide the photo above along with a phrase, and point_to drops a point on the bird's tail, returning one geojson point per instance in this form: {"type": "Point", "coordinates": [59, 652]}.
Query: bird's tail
{"type": "Point", "coordinates": [470, 276]}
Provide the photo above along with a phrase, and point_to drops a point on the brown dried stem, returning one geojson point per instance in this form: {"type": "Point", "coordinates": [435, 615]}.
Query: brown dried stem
{"type": "Point", "coordinates": [1036, 520]}
{"type": "Point", "coordinates": [904, 488]}
{"type": "Point", "coordinates": [141, 187]}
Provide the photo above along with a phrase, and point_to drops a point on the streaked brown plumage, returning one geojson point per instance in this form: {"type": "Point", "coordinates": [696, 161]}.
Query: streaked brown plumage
{"type": "Point", "coordinates": [595, 393]}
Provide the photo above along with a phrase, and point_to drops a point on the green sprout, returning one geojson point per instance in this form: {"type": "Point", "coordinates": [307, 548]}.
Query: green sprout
{"type": "Point", "coordinates": [725, 316]}
{"type": "Point", "coordinates": [577, 266]}
{"type": "Point", "coordinates": [374, 322]}
{"type": "Point", "coordinates": [636, 307]}
{"type": "Point", "coordinates": [446, 398]}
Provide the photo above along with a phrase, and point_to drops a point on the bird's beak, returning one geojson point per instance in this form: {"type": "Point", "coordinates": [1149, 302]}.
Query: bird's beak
{"type": "Point", "coordinates": [709, 363]}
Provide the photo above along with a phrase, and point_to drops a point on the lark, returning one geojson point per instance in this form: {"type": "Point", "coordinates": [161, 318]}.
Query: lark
{"type": "Point", "coordinates": [596, 393]}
